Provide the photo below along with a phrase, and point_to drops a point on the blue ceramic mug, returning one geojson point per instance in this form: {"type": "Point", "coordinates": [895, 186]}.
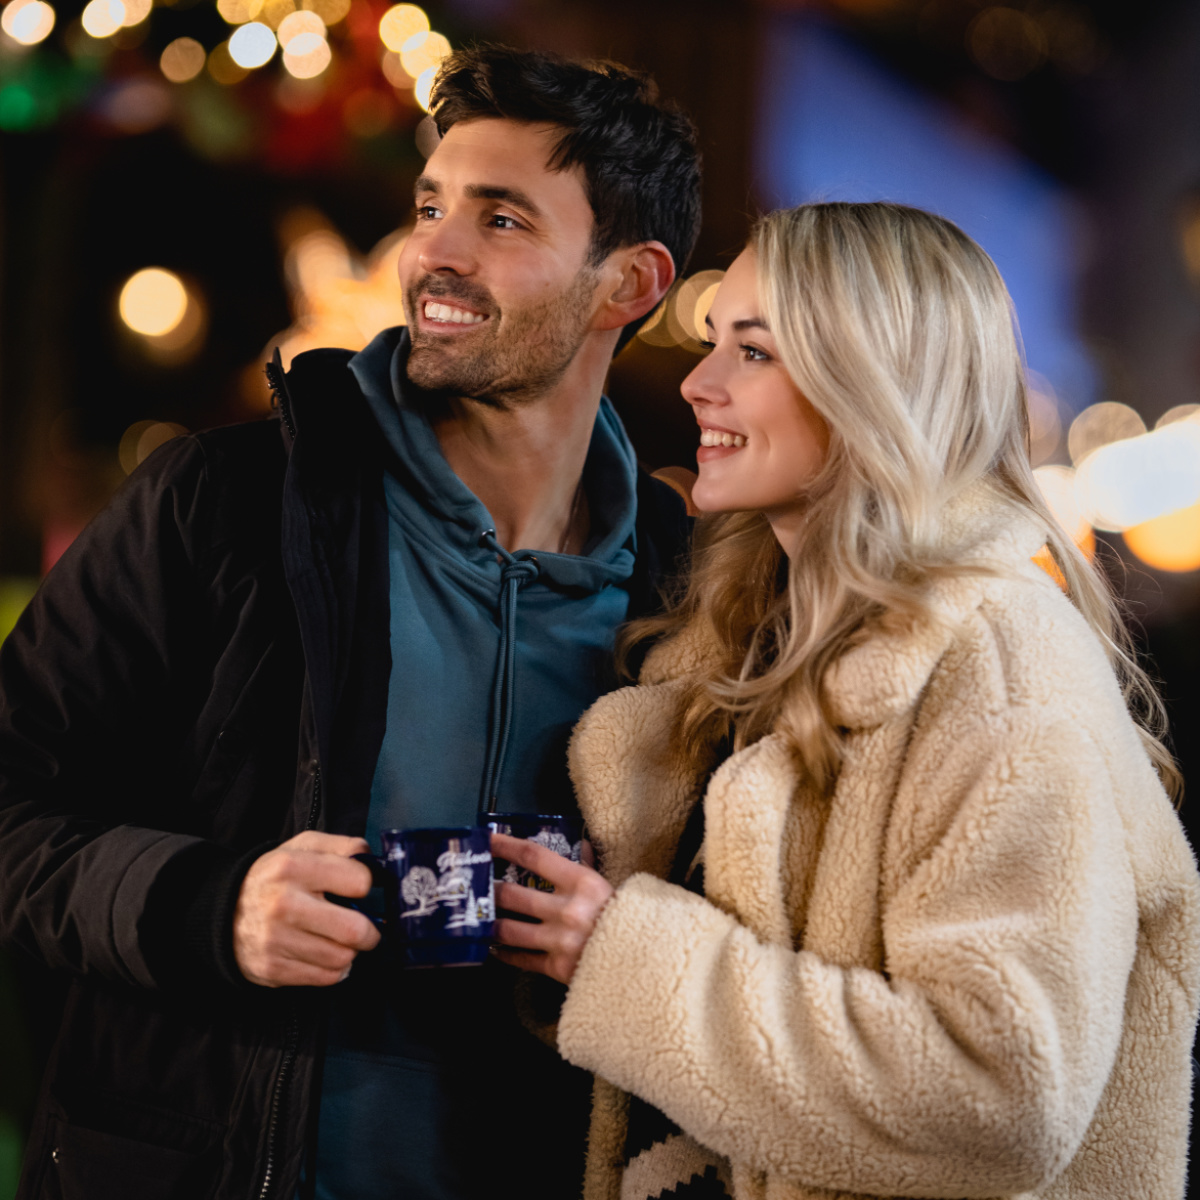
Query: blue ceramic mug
{"type": "Point", "coordinates": [563, 835]}
{"type": "Point", "coordinates": [439, 896]}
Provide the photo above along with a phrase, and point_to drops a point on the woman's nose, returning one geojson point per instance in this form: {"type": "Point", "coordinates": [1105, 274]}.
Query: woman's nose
{"type": "Point", "coordinates": [703, 384]}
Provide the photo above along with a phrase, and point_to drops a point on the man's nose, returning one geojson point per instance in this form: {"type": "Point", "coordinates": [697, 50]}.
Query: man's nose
{"type": "Point", "coordinates": [447, 245]}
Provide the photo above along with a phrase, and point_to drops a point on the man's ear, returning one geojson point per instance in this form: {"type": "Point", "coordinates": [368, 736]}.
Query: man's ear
{"type": "Point", "coordinates": [643, 273]}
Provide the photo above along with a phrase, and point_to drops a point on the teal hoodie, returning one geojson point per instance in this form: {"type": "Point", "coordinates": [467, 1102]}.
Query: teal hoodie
{"type": "Point", "coordinates": [429, 1075]}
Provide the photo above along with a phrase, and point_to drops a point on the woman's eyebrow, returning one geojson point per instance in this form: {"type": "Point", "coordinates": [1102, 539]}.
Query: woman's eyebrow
{"type": "Point", "coordinates": [744, 323]}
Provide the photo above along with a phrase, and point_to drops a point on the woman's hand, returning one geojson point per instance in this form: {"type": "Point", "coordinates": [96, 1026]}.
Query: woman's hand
{"type": "Point", "coordinates": [567, 915]}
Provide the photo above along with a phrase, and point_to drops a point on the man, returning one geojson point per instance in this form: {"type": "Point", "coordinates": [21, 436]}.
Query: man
{"type": "Point", "coordinates": [216, 694]}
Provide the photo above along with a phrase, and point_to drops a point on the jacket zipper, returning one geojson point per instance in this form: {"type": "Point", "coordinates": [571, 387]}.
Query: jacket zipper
{"type": "Point", "coordinates": [291, 1042]}
{"type": "Point", "coordinates": [279, 391]}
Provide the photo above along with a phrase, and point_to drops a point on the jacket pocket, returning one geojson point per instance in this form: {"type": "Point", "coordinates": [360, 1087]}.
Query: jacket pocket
{"type": "Point", "coordinates": [89, 1164]}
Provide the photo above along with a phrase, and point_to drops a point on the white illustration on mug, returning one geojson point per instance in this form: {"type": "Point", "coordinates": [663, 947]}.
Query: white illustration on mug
{"type": "Point", "coordinates": [420, 888]}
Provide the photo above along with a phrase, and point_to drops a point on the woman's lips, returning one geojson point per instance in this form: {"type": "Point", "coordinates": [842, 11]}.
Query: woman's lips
{"type": "Point", "coordinates": [718, 443]}
{"type": "Point", "coordinates": [721, 437]}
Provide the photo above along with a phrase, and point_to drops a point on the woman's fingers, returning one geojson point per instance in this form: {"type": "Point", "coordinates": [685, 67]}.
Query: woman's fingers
{"type": "Point", "coordinates": [522, 934]}
{"type": "Point", "coordinates": [565, 917]}
{"type": "Point", "coordinates": [541, 860]}
{"type": "Point", "coordinates": [528, 901]}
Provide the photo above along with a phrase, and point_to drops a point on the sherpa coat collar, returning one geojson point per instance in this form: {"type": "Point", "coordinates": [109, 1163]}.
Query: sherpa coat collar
{"type": "Point", "coordinates": [971, 971]}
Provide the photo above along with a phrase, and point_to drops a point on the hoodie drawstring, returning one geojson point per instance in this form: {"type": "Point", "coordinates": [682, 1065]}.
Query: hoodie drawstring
{"type": "Point", "coordinates": [514, 574]}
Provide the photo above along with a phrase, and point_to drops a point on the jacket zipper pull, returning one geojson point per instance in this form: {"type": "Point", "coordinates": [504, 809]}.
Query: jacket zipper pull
{"type": "Point", "coordinates": [280, 396]}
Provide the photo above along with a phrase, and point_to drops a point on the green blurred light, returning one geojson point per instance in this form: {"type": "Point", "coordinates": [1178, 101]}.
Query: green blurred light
{"type": "Point", "coordinates": [15, 593]}
{"type": "Point", "coordinates": [18, 107]}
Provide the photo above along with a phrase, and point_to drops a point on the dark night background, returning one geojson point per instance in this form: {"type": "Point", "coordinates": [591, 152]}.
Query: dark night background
{"type": "Point", "coordinates": [107, 168]}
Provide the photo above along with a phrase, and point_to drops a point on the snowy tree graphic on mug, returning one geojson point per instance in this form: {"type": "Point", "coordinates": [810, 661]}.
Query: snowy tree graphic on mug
{"type": "Point", "coordinates": [420, 891]}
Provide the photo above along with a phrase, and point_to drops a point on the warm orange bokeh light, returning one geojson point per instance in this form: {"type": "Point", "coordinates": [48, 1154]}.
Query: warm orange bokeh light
{"type": "Point", "coordinates": [1170, 542]}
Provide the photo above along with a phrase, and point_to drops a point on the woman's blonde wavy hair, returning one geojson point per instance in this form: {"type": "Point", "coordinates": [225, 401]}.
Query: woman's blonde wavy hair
{"type": "Point", "coordinates": [900, 332]}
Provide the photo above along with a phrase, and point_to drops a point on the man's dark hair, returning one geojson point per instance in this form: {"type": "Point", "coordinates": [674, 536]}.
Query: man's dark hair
{"type": "Point", "coordinates": [639, 157]}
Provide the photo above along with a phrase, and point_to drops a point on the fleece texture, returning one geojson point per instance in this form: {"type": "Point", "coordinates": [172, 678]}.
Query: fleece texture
{"type": "Point", "coordinates": [971, 971]}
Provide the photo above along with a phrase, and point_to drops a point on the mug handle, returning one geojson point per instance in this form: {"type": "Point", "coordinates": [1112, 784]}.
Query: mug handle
{"type": "Point", "coordinates": [380, 877]}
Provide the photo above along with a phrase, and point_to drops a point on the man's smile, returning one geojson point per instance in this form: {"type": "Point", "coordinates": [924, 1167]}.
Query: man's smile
{"type": "Point", "coordinates": [440, 313]}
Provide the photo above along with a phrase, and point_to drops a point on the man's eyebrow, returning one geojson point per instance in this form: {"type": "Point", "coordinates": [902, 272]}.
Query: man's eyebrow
{"type": "Point", "coordinates": [507, 195]}
{"type": "Point", "coordinates": [483, 191]}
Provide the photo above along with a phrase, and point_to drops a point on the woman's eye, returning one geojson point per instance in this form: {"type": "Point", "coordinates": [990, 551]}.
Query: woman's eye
{"type": "Point", "coordinates": [706, 345]}
{"type": "Point", "coordinates": [754, 354]}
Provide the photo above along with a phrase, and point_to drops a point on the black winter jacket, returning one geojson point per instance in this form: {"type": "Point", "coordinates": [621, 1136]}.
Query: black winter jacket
{"type": "Point", "coordinates": [203, 675]}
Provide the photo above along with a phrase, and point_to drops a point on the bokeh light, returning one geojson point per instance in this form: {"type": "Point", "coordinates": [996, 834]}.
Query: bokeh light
{"type": "Point", "coordinates": [423, 88]}
{"type": "Point", "coordinates": [142, 438]}
{"type": "Point", "coordinates": [299, 22]}
{"type": "Point", "coordinates": [1131, 481]}
{"type": "Point", "coordinates": [423, 51]}
{"type": "Point", "coordinates": [136, 11]}
{"type": "Point", "coordinates": [1170, 542]}
{"type": "Point", "coordinates": [1100, 424]}
{"type": "Point", "coordinates": [1006, 43]}
{"type": "Point", "coordinates": [1181, 412]}
{"type": "Point", "coordinates": [238, 12]}
{"type": "Point", "coordinates": [662, 328]}
{"type": "Point", "coordinates": [153, 301]}
{"type": "Point", "coordinates": [1045, 423]}
{"type": "Point", "coordinates": [274, 11]}
{"type": "Point", "coordinates": [102, 18]}
{"type": "Point", "coordinates": [183, 59]}
{"type": "Point", "coordinates": [1057, 485]}
{"type": "Point", "coordinates": [222, 67]}
{"type": "Point", "coordinates": [401, 22]}
{"type": "Point", "coordinates": [330, 11]}
{"type": "Point", "coordinates": [252, 45]}
{"type": "Point", "coordinates": [27, 21]}
{"type": "Point", "coordinates": [136, 104]}
{"type": "Point", "coordinates": [694, 299]}
{"type": "Point", "coordinates": [307, 55]}
{"type": "Point", "coordinates": [338, 298]}
{"type": "Point", "coordinates": [394, 72]}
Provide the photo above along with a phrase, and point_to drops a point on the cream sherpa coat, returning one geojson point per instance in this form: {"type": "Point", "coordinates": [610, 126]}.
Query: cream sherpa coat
{"type": "Point", "coordinates": [972, 972]}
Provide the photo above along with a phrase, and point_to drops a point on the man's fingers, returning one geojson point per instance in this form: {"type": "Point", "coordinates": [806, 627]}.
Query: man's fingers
{"type": "Point", "coordinates": [334, 922]}
{"type": "Point", "coordinates": [326, 843]}
{"type": "Point", "coordinates": [319, 872]}
{"type": "Point", "coordinates": [316, 951]}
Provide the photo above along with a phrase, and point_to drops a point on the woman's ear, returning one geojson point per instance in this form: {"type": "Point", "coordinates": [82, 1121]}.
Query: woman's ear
{"type": "Point", "coordinates": [641, 276]}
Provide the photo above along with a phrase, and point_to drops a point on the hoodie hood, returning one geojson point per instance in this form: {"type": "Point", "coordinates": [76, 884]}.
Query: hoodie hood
{"type": "Point", "coordinates": [438, 502]}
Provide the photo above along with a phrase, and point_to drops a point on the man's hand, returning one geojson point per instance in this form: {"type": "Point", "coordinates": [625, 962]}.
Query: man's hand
{"type": "Point", "coordinates": [567, 915]}
{"type": "Point", "coordinates": [285, 933]}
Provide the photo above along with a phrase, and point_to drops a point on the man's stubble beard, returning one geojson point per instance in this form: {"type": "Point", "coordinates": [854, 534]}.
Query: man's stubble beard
{"type": "Point", "coordinates": [503, 369]}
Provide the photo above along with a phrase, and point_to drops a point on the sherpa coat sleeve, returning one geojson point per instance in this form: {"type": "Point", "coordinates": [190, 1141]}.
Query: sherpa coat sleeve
{"type": "Point", "coordinates": [970, 1065]}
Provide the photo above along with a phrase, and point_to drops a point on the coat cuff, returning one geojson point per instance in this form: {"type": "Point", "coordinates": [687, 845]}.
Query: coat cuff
{"type": "Point", "coordinates": [187, 935]}
{"type": "Point", "coordinates": [620, 1018]}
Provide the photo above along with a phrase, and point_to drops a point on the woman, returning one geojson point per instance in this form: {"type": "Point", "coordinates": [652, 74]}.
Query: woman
{"type": "Point", "coordinates": [930, 927]}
